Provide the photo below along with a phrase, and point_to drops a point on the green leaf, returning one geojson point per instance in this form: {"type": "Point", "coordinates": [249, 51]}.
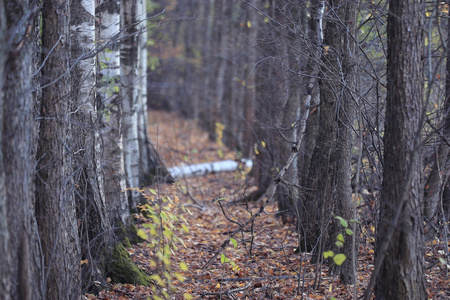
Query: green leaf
{"type": "Point", "coordinates": [223, 258]}
{"type": "Point", "coordinates": [339, 258]}
{"type": "Point", "coordinates": [348, 231]}
{"type": "Point", "coordinates": [442, 260]}
{"type": "Point", "coordinates": [158, 279]}
{"type": "Point", "coordinates": [233, 241]}
{"type": "Point", "coordinates": [339, 244]}
{"type": "Point", "coordinates": [188, 296]}
{"type": "Point", "coordinates": [355, 221]}
{"type": "Point", "coordinates": [327, 254]}
{"type": "Point", "coordinates": [179, 277]}
{"type": "Point", "coordinates": [153, 191]}
{"type": "Point", "coordinates": [183, 266]}
{"type": "Point", "coordinates": [340, 238]}
{"type": "Point", "coordinates": [184, 228]}
{"type": "Point", "coordinates": [343, 222]}
{"type": "Point", "coordinates": [140, 233]}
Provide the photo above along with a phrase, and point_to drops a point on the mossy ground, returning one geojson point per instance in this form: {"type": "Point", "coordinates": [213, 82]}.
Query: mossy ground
{"type": "Point", "coordinates": [123, 270]}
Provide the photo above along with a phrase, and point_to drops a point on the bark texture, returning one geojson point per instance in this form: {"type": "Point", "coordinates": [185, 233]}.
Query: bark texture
{"type": "Point", "coordinates": [330, 169]}
{"type": "Point", "coordinates": [129, 74]}
{"type": "Point", "coordinates": [400, 234]}
{"type": "Point", "coordinates": [109, 96]}
{"type": "Point", "coordinates": [55, 204]}
{"type": "Point", "coordinates": [21, 263]}
{"type": "Point", "coordinates": [95, 228]}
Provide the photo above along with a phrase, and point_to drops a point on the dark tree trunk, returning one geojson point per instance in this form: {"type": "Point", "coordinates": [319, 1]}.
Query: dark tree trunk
{"type": "Point", "coordinates": [271, 97]}
{"type": "Point", "coordinates": [440, 170]}
{"type": "Point", "coordinates": [5, 281]}
{"type": "Point", "coordinates": [330, 170]}
{"type": "Point", "coordinates": [21, 261]}
{"type": "Point", "coordinates": [399, 250]}
{"type": "Point", "coordinates": [55, 204]}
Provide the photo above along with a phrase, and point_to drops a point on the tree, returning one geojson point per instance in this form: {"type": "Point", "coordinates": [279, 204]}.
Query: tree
{"type": "Point", "coordinates": [90, 196]}
{"type": "Point", "coordinates": [110, 111]}
{"type": "Point", "coordinates": [55, 202]}
{"type": "Point", "coordinates": [399, 260]}
{"type": "Point", "coordinates": [330, 170]}
{"type": "Point", "coordinates": [21, 260]}
{"type": "Point", "coordinates": [437, 182]}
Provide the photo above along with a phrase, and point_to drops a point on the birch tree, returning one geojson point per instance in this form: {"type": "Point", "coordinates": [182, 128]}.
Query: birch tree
{"type": "Point", "coordinates": [86, 142]}
{"type": "Point", "coordinates": [129, 74]}
{"type": "Point", "coordinates": [110, 110]}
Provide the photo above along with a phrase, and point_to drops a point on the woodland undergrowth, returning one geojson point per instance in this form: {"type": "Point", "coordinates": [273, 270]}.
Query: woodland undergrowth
{"type": "Point", "coordinates": [197, 259]}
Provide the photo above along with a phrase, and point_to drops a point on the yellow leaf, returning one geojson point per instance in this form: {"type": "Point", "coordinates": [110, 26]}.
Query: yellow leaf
{"type": "Point", "coordinates": [140, 233]}
{"type": "Point", "coordinates": [255, 147]}
{"type": "Point", "coordinates": [183, 266]}
{"type": "Point", "coordinates": [249, 25]}
{"type": "Point", "coordinates": [218, 286]}
{"type": "Point", "coordinates": [84, 261]}
{"type": "Point", "coordinates": [263, 144]}
{"type": "Point", "coordinates": [188, 296]}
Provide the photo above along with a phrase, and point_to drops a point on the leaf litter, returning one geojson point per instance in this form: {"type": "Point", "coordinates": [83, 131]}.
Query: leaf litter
{"type": "Point", "coordinates": [259, 261]}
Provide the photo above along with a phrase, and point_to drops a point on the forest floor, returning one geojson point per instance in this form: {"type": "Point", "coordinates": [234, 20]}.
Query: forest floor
{"type": "Point", "coordinates": [271, 269]}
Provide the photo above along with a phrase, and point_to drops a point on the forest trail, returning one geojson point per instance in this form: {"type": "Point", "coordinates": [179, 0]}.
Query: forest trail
{"type": "Point", "coordinates": [270, 271]}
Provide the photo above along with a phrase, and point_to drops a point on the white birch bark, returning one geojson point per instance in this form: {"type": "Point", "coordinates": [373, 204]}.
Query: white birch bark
{"type": "Point", "coordinates": [87, 143]}
{"type": "Point", "coordinates": [129, 74]}
{"type": "Point", "coordinates": [144, 149]}
{"type": "Point", "coordinates": [109, 94]}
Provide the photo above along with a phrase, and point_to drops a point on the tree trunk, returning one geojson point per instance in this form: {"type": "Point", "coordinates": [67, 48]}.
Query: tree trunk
{"type": "Point", "coordinates": [86, 144]}
{"type": "Point", "coordinates": [440, 171]}
{"type": "Point", "coordinates": [271, 97]}
{"type": "Point", "coordinates": [330, 172]}
{"type": "Point", "coordinates": [55, 204]}
{"type": "Point", "coordinates": [151, 165]}
{"type": "Point", "coordinates": [5, 281]}
{"type": "Point", "coordinates": [21, 260]}
{"type": "Point", "coordinates": [110, 98]}
{"type": "Point", "coordinates": [128, 70]}
{"type": "Point", "coordinates": [399, 251]}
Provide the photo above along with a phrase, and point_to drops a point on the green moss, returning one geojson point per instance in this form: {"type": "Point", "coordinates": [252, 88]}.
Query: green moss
{"type": "Point", "coordinates": [127, 234]}
{"type": "Point", "coordinates": [122, 269]}
{"type": "Point", "coordinates": [126, 242]}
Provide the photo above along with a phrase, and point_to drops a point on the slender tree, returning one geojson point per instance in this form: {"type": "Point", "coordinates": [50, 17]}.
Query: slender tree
{"type": "Point", "coordinates": [86, 141]}
{"type": "Point", "coordinates": [5, 282]}
{"type": "Point", "coordinates": [399, 260]}
{"type": "Point", "coordinates": [330, 170]}
{"type": "Point", "coordinates": [128, 70]}
{"type": "Point", "coordinates": [109, 96]}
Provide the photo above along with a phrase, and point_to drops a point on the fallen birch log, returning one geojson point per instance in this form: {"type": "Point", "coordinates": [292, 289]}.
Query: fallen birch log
{"type": "Point", "coordinates": [207, 168]}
